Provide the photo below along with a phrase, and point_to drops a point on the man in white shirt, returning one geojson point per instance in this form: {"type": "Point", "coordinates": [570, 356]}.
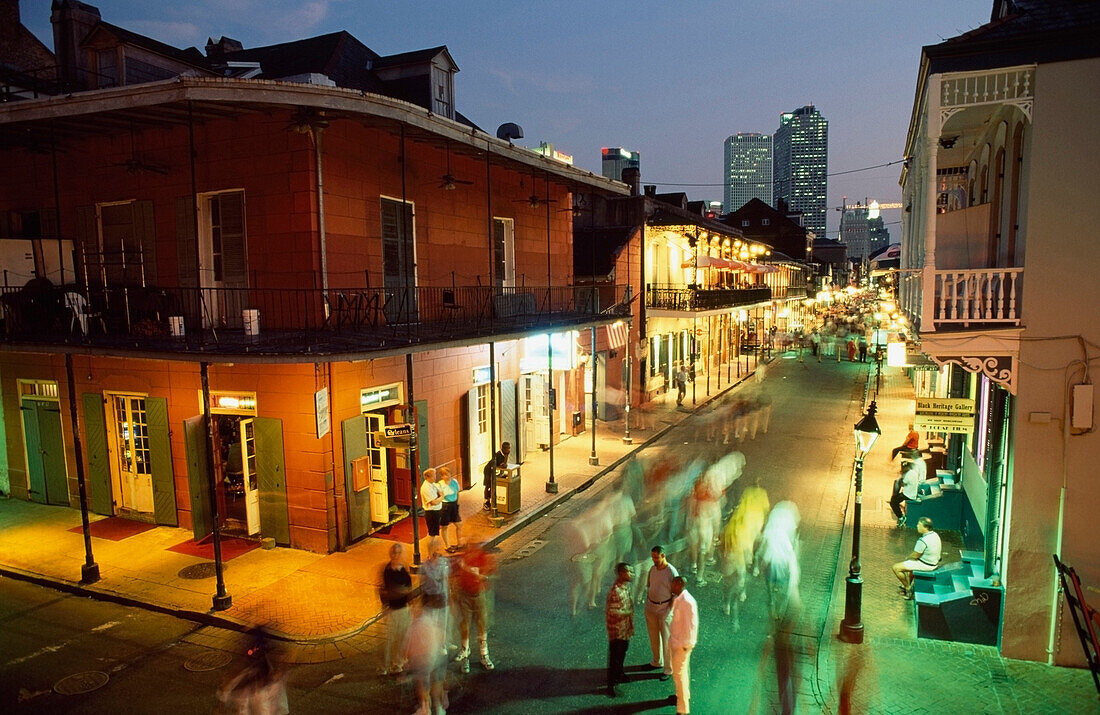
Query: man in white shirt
{"type": "Point", "coordinates": [683, 632]}
{"type": "Point", "coordinates": [431, 498]}
{"type": "Point", "coordinates": [657, 604]}
{"type": "Point", "coordinates": [925, 557]}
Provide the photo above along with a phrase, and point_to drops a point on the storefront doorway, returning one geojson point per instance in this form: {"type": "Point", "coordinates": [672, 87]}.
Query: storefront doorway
{"type": "Point", "coordinates": [47, 476]}
{"type": "Point", "coordinates": [128, 448]}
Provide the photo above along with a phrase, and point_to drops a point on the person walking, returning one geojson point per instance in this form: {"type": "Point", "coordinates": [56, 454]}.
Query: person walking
{"type": "Point", "coordinates": [450, 515]}
{"type": "Point", "coordinates": [435, 577]}
{"type": "Point", "coordinates": [424, 653]}
{"type": "Point", "coordinates": [683, 633]}
{"type": "Point", "coordinates": [925, 557]}
{"type": "Point", "coordinates": [681, 385]}
{"type": "Point", "coordinates": [472, 573]}
{"type": "Point", "coordinates": [862, 349]}
{"type": "Point", "coordinates": [851, 349]}
{"type": "Point", "coordinates": [396, 587]}
{"type": "Point", "coordinates": [499, 461]}
{"type": "Point", "coordinates": [619, 614]}
{"type": "Point", "coordinates": [657, 606]}
{"type": "Point", "coordinates": [815, 344]}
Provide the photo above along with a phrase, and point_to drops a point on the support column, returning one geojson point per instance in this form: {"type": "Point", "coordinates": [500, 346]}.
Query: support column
{"type": "Point", "coordinates": [928, 169]}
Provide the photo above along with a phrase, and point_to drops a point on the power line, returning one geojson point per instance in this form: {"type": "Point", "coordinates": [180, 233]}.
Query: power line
{"type": "Point", "coordinates": [836, 173]}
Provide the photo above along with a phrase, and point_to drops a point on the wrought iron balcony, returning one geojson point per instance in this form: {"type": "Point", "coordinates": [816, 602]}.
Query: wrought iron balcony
{"type": "Point", "coordinates": [693, 300]}
{"type": "Point", "coordinates": [283, 322]}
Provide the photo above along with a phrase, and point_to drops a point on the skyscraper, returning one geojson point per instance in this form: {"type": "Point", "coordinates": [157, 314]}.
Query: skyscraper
{"type": "Point", "coordinates": [616, 159]}
{"type": "Point", "coordinates": [748, 169]}
{"type": "Point", "coordinates": [801, 164]}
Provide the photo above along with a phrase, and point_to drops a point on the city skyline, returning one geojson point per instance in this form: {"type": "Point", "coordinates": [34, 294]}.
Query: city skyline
{"type": "Point", "coordinates": [748, 169]}
{"type": "Point", "coordinates": [671, 87]}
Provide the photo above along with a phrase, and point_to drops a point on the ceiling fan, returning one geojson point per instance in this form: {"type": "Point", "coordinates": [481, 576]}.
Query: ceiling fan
{"type": "Point", "coordinates": [448, 182]}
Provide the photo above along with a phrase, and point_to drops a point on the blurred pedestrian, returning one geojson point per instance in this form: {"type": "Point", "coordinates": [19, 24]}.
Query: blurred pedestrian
{"type": "Point", "coordinates": [906, 487]}
{"type": "Point", "coordinates": [435, 576]}
{"type": "Point", "coordinates": [427, 663]}
{"type": "Point", "coordinates": [472, 592]}
{"type": "Point", "coordinates": [260, 687]}
{"type": "Point", "coordinates": [851, 349]}
{"type": "Point", "coordinates": [862, 349]}
{"type": "Point", "coordinates": [657, 606]}
{"type": "Point", "coordinates": [619, 614]}
{"type": "Point", "coordinates": [681, 385]}
{"type": "Point", "coordinates": [396, 587]}
{"type": "Point", "coordinates": [683, 633]}
{"type": "Point", "coordinates": [450, 515]}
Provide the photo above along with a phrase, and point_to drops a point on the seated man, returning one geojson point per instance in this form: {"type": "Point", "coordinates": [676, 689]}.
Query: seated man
{"type": "Point", "coordinates": [925, 557]}
{"type": "Point", "coordinates": [912, 442]}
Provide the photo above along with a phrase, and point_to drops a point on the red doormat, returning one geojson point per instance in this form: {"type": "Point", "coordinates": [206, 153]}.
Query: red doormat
{"type": "Point", "coordinates": [402, 530]}
{"type": "Point", "coordinates": [114, 528]}
{"type": "Point", "coordinates": [232, 547]}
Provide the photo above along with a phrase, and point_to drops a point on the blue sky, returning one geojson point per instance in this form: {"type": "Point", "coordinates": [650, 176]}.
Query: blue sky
{"type": "Point", "coordinates": [669, 79]}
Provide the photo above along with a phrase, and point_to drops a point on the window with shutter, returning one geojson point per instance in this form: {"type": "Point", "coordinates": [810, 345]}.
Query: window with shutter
{"type": "Point", "coordinates": [504, 259]}
{"type": "Point", "coordinates": [398, 261]}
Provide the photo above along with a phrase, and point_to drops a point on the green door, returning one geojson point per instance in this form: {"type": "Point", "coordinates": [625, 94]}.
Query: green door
{"type": "Point", "coordinates": [53, 453]}
{"type": "Point", "coordinates": [358, 490]}
{"type": "Point", "coordinates": [99, 468]}
{"type": "Point", "coordinates": [198, 475]}
{"type": "Point", "coordinates": [160, 461]}
{"type": "Point", "coordinates": [36, 472]}
{"type": "Point", "coordinates": [271, 480]}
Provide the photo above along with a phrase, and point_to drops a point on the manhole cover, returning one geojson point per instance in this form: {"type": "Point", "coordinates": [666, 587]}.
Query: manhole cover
{"type": "Point", "coordinates": [199, 571]}
{"type": "Point", "coordinates": [79, 683]}
{"type": "Point", "coordinates": [211, 660]}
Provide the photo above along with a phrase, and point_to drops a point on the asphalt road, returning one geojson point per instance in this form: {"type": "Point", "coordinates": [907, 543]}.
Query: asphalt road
{"type": "Point", "coordinates": [546, 660]}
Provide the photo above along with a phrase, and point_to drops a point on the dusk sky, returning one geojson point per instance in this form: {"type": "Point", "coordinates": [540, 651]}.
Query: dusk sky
{"type": "Point", "coordinates": [668, 79]}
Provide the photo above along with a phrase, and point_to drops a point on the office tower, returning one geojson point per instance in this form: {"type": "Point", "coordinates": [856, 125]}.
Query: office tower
{"type": "Point", "coordinates": [801, 164]}
{"type": "Point", "coordinates": [855, 231]}
{"type": "Point", "coordinates": [615, 159]}
{"type": "Point", "coordinates": [748, 169]}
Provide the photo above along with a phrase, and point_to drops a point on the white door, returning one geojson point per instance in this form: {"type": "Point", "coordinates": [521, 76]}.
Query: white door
{"type": "Point", "coordinates": [132, 480]}
{"type": "Point", "coordinates": [379, 471]}
{"type": "Point", "coordinates": [536, 416]}
{"type": "Point", "coordinates": [251, 492]}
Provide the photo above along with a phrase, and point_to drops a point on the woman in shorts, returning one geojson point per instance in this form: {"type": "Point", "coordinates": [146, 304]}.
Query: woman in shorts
{"type": "Point", "coordinates": [450, 513]}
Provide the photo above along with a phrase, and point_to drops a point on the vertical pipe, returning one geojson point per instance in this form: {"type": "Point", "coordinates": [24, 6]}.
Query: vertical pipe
{"type": "Point", "coordinates": [592, 458]}
{"type": "Point", "coordinates": [57, 209]}
{"type": "Point", "coordinates": [341, 542]}
{"type": "Point", "coordinates": [316, 131]}
{"type": "Point", "coordinates": [222, 600]}
{"type": "Point", "coordinates": [551, 402]}
{"type": "Point", "coordinates": [414, 462]}
{"type": "Point", "coordinates": [195, 212]}
{"type": "Point", "coordinates": [89, 572]}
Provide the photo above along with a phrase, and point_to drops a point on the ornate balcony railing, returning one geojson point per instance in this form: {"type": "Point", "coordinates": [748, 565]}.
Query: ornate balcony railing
{"type": "Point", "coordinates": [965, 298]}
{"type": "Point", "coordinates": [290, 321]}
{"type": "Point", "coordinates": [691, 300]}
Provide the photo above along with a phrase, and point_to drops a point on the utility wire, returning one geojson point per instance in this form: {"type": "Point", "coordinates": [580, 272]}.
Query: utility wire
{"type": "Point", "coordinates": [835, 173]}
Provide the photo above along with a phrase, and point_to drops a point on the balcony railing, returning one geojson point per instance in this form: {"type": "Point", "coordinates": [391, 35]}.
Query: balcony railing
{"type": "Point", "coordinates": [290, 321]}
{"type": "Point", "coordinates": [989, 295]}
{"type": "Point", "coordinates": [691, 300]}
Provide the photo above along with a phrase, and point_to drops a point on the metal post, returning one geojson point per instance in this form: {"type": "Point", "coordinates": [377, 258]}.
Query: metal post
{"type": "Point", "coordinates": [629, 384]}
{"type": "Point", "coordinates": [414, 471]}
{"type": "Point", "coordinates": [89, 572]}
{"type": "Point", "coordinates": [222, 600]}
{"type": "Point", "coordinates": [493, 431]}
{"type": "Point", "coordinates": [592, 458]}
{"type": "Point", "coordinates": [851, 628]}
{"type": "Point", "coordinates": [551, 404]}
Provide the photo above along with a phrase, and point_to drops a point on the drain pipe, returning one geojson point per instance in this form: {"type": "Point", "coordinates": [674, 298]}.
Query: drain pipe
{"type": "Point", "coordinates": [222, 600]}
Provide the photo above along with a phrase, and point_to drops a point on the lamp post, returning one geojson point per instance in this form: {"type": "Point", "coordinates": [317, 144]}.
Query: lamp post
{"type": "Point", "coordinates": [851, 628]}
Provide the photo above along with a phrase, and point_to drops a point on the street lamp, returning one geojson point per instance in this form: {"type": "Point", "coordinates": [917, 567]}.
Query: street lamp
{"type": "Point", "coordinates": [851, 628]}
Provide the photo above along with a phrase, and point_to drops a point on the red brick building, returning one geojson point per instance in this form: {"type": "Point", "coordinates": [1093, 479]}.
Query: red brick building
{"type": "Point", "coordinates": [321, 252]}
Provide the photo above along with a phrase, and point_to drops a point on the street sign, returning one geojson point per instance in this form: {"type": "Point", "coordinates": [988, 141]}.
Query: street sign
{"type": "Point", "coordinates": [945, 406]}
{"type": "Point", "coordinates": [937, 423]}
{"type": "Point", "coordinates": [400, 436]}
{"type": "Point", "coordinates": [403, 430]}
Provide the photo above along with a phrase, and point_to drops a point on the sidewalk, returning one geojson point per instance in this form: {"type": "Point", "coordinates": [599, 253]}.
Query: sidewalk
{"type": "Point", "coordinates": [327, 604]}
{"type": "Point", "coordinates": [893, 670]}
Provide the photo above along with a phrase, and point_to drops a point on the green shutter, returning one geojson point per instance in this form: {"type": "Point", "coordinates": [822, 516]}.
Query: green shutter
{"type": "Point", "coordinates": [234, 258]}
{"type": "Point", "coordinates": [52, 440]}
{"type": "Point", "coordinates": [271, 479]}
{"type": "Point", "coordinates": [36, 473]}
{"type": "Point", "coordinates": [354, 431]}
{"type": "Point", "coordinates": [145, 231]}
{"type": "Point", "coordinates": [160, 461]}
{"type": "Point", "coordinates": [198, 475]}
{"type": "Point", "coordinates": [422, 434]}
{"type": "Point", "coordinates": [99, 468]}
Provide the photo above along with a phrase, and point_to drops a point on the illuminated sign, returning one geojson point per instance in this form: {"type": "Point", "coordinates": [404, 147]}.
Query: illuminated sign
{"type": "Point", "coordinates": [376, 397]}
{"type": "Point", "coordinates": [230, 403]}
{"type": "Point", "coordinates": [936, 423]}
{"type": "Point", "coordinates": [945, 406]}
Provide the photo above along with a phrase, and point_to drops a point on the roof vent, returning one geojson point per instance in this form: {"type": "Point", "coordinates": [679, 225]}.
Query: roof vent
{"type": "Point", "coordinates": [509, 131]}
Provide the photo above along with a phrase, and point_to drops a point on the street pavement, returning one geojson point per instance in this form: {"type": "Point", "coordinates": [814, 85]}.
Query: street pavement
{"type": "Point", "coordinates": [327, 608]}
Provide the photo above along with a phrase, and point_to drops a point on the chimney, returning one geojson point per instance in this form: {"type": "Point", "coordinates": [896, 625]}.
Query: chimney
{"type": "Point", "coordinates": [632, 177]}
{"type": "Point", "coordinates": [650, 190]}
{"type": "Point", "coordinates": [72, 21]}
{"type": "Point", "coordinates": [223, 46]}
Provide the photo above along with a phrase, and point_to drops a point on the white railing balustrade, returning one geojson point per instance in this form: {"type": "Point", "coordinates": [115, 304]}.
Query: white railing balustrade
{"type": "Point", "coordinates": [987, 87]}
{"type": "Point", "coordinates": [989, 295]}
